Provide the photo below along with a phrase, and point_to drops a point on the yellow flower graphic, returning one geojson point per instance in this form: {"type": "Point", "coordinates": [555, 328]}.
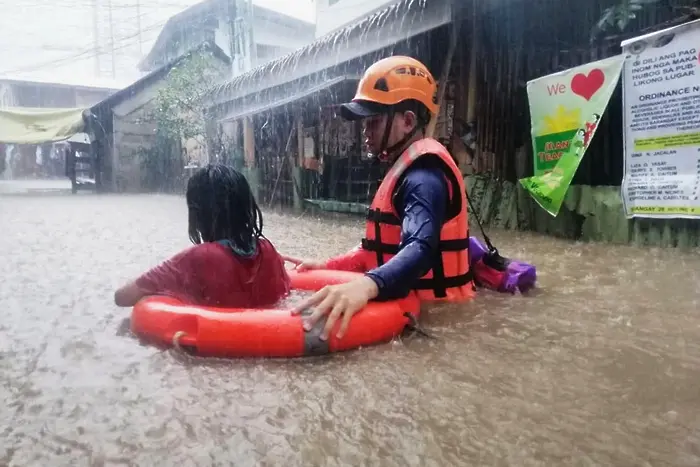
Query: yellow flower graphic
{"type": "Point", "coordinates": [562, 120]}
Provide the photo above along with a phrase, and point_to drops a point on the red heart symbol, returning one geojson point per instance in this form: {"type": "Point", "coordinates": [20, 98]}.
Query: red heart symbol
{"type": "Point", "coordinates": [587, 86]}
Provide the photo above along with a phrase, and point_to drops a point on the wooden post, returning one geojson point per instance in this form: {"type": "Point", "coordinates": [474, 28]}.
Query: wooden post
{"type": "Point", "coordinates": [357, 127]}
{"type": "Point", "coordinates": [300, 179]}
{"type": "Point", "coordinates": [249, 142]}
{"type": "Point", "coordinates": [284, 159]}
{"type": "Point", "coordinates": [71, 169]}
{"type": "Point", "coordinates": [299, 120]}
{"type": "Point", "coordinates": [295, 169]}
{"type": "Point", "coordinates": [226, 137]}
{"type": "Point", "coordinates": [98, 155]}
{"type": "Point", "coordinates": [250, 170]}
{"type": "Point", "coordinates": [114, 156]}
{"type": "Point", "coordinates": [442, 83]}
{"type": "Point", "coordinates": [473, 73]}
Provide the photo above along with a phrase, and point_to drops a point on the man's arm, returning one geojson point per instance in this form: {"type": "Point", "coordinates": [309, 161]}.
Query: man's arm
{"type": "Point", "coordinates": [421, 204]}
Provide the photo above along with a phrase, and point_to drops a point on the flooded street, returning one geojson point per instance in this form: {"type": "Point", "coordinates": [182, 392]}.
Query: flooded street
{"type": "Point", "coordinates": [598, 367]}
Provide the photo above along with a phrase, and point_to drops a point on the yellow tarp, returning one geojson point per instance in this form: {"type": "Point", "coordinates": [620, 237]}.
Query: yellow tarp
{"type": "Point", "coordinates": [20, 125]}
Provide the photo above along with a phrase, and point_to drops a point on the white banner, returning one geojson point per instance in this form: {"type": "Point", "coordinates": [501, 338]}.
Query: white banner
{"type": "Point", "coordinates": [661, 100]}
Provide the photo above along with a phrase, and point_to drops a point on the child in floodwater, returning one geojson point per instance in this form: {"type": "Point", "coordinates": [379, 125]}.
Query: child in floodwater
{"type": "Point", "coordinates": [231, 263]}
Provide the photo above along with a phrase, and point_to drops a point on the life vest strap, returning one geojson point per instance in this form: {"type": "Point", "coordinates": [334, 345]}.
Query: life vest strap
{"type": "Point", "coordinates": [444, 283]}
{"type": "Point", "coordinates": [439, 288]}
{"type": "Point", "coordinates": [389, 249]}
{"type": "Point", "coordinates": [438, 283]}
{"type": "Point", "coordinates": [380, 217]}
{"type": "Point", "coordinates": [378, 235]}
{"type": "Point", "coordinates": [379, 247]}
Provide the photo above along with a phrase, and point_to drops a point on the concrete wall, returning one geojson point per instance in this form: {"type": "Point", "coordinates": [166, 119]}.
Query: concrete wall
{"type": "Point", "coordinates": [280, 31]}
{"type": "Point", "coordinates": [334, 14]}
{"type": "Point", "coordinates": [274, 34]}
{"type": "Point", "coordinates": [189, 40]}
{"type": "Point", "coordinates": [7, 98]}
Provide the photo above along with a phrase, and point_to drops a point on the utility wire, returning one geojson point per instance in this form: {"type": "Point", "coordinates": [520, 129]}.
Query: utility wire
{"type": "Point", "coordinates": [71, 4]}
{"type": "Point", "coordinates": [120, 44]}
{"type": "Point", "coordinates": [22, 30]}
{"type": "Point", "coordinates": [84, 54]}
{"type": "Point", "coordinates": [126, 41]}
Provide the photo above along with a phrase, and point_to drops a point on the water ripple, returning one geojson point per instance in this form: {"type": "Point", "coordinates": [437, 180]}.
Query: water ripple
{"type": "Point", "coordinates": [597, 367]}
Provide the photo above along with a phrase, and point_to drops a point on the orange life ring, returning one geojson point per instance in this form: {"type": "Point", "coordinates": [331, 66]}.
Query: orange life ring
{"type": "Point", "coordinates": [227, 332]}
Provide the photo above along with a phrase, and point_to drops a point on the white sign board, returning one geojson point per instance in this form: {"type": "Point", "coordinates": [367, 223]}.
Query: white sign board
{"type": "Point", "coordinates": [661, 95]}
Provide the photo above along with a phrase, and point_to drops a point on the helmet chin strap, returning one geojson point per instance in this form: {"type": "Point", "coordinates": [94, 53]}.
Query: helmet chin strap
{"type": "Point", "coordinates": [386, 153]}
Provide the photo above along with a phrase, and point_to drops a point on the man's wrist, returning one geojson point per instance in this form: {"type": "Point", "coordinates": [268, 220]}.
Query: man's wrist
{"type": "Point", "coordinates": [371, 287]}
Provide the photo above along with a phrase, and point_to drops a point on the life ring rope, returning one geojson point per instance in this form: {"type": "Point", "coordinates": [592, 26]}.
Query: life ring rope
{"type": "Point", "coordinates": [415, 328]}
{"type": "Point", "coordinates": [176, 340]}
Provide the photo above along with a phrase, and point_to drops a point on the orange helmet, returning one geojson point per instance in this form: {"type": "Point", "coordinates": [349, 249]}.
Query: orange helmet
{"type": "Point", "coordinates": [388, 82]}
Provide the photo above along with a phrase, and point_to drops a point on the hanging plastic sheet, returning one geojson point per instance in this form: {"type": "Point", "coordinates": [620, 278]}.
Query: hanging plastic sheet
{"type": "Point", "coordinates": [19, 125]}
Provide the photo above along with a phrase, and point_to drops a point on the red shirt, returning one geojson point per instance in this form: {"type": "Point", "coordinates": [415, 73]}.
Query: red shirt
{"type": "Point", "coordinates": [210, 274]}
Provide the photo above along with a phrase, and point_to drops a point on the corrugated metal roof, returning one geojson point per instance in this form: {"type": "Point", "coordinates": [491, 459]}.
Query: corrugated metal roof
{"type": "Point", "coordinates": [400, 21]}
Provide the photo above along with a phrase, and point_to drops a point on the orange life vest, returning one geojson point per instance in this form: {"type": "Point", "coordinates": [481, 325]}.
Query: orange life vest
{"type": "Point", "coordinates": [449, 278]}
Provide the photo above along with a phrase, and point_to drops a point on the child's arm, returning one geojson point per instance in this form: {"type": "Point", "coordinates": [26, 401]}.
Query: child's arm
{"type": "Point", "coordinates": [129, 294]}
{"type": "Point", "coordinates": [172, 278]}
{"type": "Point", "coordinates": [354, 261]}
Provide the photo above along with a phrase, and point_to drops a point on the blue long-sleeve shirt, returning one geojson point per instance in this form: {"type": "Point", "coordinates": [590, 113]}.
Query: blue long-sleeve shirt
{"type": "Point", "coordinates": [421, 203]}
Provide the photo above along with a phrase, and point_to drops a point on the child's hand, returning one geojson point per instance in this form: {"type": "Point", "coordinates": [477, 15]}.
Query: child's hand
{"type": "Point", "coordinates": [291, 259]}
{"type": "Point", "coordinates": [310, 265]}
{"type": "Point", "coordinates": [303, 265]}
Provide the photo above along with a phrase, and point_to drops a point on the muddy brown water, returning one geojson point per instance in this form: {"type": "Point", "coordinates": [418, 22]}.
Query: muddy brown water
{"type": "Point", "coordinates": [598, 367]}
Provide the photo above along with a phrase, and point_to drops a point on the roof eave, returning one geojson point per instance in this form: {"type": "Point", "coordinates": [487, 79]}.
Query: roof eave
{"type": "Point", "coordinates": [403, 13]}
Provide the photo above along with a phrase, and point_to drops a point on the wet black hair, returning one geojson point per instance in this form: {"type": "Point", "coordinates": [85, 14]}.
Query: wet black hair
{"type": "Point", "coordinates": [221, 206]}
{"type": "Point", "coordinates": [418, 108]}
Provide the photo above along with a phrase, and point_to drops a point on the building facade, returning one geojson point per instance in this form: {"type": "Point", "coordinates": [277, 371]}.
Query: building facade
{"type": "Point", "coordinates": [248, 34]}
{"type": "Point", "coordinates": [334, 14]}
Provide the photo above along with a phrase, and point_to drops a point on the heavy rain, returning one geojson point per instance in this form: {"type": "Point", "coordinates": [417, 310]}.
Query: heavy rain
{"type": "Point", "coordinates": [111, 112]}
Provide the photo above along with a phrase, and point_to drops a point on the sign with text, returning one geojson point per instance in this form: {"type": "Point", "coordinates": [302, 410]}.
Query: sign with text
{"type": "Point", "coordinates": [565, 109]}
{"type": "Point", "coordinates": [662, 123]}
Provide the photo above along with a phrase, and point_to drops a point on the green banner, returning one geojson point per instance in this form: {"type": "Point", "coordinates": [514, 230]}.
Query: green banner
{"type": "Point", "coordinates": [565, 109]}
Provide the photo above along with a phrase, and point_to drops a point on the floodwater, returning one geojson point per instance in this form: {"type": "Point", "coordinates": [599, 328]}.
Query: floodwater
{"type": "Point", "coordinates": [598, 367]}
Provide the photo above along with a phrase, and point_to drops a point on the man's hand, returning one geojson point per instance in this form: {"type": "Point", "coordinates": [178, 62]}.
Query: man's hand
{"type": "Point", "coordinates": [336, 301]}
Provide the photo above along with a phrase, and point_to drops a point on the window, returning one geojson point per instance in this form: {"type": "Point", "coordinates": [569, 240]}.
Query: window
{"type": "Point", "coordinates": [332, 2]}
